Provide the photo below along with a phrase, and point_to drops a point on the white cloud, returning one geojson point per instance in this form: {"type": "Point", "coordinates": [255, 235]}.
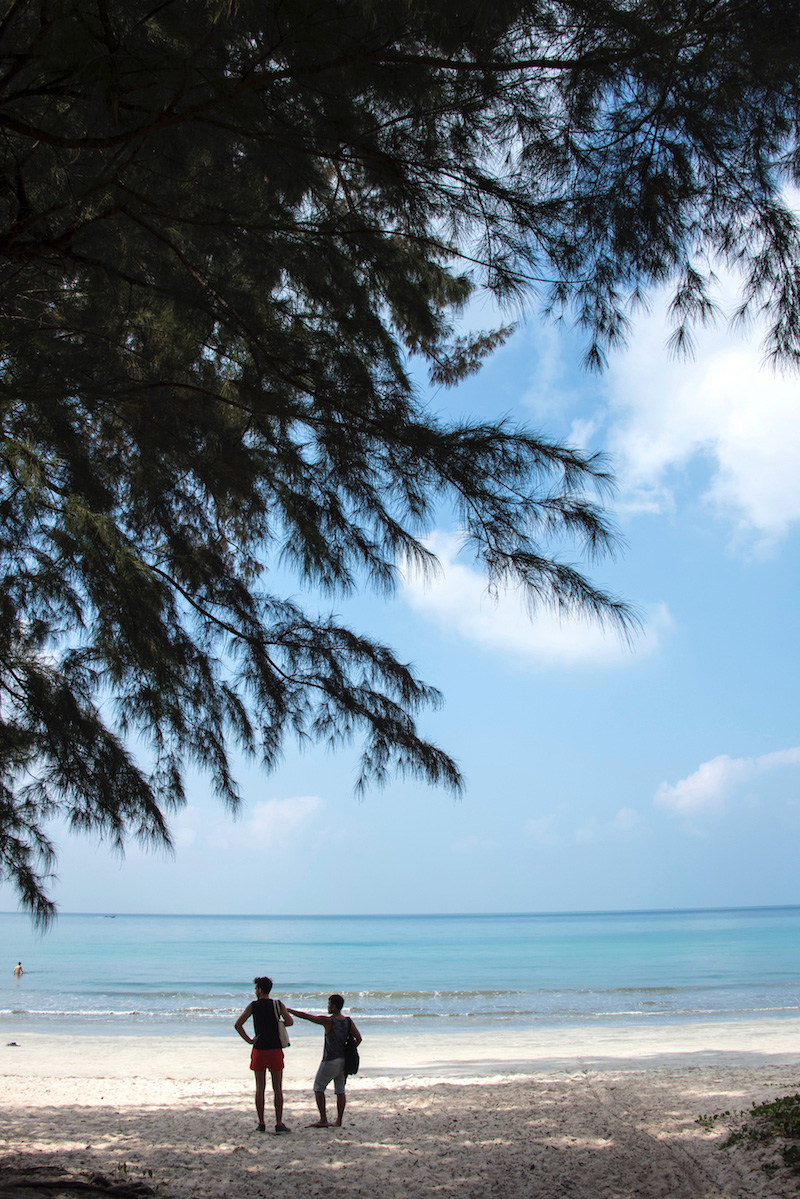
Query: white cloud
{"type": "Point", "coordinates": [725, 405]}
{"type": "Point", "coordinates": [269, 824]}
{"type": "Point", "coordinates": [457, 601]}
{"type": "Point", "coordinates": [713, 783]}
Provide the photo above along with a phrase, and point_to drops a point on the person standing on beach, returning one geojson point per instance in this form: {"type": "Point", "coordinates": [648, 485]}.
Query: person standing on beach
{"type": "Point", "coordinates": [18, 970]}
{"type": "Point", "coordinates": [266, 1053]}
{"type": "Point", "coordinates": [337, 1029]}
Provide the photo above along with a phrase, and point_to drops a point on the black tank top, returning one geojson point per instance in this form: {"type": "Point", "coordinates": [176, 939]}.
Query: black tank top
{"type": "Point", "coordinates": [335, 1039]}
{"type": "Point", "coordinates": [265, 1023]}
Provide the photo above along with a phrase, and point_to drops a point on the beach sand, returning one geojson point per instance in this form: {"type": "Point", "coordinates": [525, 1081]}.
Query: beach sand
{"type": "Point", "coordinates": [581, 1113]}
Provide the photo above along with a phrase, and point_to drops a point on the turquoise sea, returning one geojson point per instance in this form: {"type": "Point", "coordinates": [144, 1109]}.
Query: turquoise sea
{"type": "Point", "coordinates": [193, 974]}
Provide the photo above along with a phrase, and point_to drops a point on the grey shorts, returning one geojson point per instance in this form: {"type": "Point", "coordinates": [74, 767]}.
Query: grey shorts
{"type": "Point", "coordinates": [334, 1069]}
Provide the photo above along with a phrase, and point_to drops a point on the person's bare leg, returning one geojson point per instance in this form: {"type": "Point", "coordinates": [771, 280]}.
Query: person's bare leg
{"type": "Point", "coordinates": [323, 1115]}
{"type": "Point", "coordinates": [341, 1100]}
{"type": "Point", "coordinates": [277, 1095]}
{"type": "Point", "coordinates": [261, 1082]}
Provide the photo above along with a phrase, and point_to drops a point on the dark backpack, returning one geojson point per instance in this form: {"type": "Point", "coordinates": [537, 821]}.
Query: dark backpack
{"type": "Point", "coordinates": [351, 1058]}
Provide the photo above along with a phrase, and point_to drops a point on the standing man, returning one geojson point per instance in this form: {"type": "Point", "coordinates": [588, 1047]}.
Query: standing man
{"type": "Point", "coordinates": [18, 970]}
{"type": "Point", "coordinates": [337, 1029]}
{"type": "Point", "coordinates": [266, 1053]}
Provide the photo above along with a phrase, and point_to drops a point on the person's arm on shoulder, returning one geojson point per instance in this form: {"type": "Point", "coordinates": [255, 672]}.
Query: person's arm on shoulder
{"type": "Point", "coordinates": [239, 1025]}
{"type": "Point", "coordinates": [286, 1015]}
{"type": "Point", "coordinates": [323, 1020]}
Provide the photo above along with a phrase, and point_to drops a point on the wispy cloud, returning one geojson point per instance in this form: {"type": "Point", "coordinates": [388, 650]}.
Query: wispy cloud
{"type": "Point", "coordinates": [714, 782]}
{"type": "Point", "coordinates": [267, 824]}
{"type": "Point", "coordinates": [627, 820]}
{"type": "Point", "coordinates": [540, 829]}
{"type": "Point", "coordinates": [473, 844]}
{"type": "Point", "coordinates": [458, 602]}
{"type": "Point", "coordinates": [555, 828]}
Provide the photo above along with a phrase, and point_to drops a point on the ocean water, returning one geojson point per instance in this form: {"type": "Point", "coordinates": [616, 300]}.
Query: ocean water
{"type": "Point", "coordinates": [193, 974]}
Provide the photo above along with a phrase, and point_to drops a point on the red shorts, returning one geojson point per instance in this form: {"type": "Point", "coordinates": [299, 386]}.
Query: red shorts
{"type": "Point", "coordinates": [266, 1059]}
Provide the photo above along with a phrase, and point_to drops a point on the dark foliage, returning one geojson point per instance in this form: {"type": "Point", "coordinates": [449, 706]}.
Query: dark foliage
{"type": "Point", "coordinates": [224, 229]}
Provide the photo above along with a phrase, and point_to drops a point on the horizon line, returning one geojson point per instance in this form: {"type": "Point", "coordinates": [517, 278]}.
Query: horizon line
{"type": "Point", "coordinates": [109, 914]}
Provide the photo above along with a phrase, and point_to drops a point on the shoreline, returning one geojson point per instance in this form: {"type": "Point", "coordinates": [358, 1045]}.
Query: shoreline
{"type": "Point", "coordinates": [489, 1052]}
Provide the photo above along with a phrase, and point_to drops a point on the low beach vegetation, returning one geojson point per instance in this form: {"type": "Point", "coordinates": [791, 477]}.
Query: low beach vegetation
{"type": "Point", "coordinates": [773, 1123]}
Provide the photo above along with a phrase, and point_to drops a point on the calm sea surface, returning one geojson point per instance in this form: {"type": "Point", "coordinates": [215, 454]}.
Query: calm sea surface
{"type": "Point", "coordinates": [193, 973]}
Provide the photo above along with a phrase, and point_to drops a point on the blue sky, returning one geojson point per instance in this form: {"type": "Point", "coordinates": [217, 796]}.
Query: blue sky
{"type": "Point", "coordinates": [598, 776]}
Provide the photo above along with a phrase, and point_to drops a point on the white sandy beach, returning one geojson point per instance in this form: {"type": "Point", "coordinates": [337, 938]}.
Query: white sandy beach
{"type": "Point", "coordinates": [590, 1113]}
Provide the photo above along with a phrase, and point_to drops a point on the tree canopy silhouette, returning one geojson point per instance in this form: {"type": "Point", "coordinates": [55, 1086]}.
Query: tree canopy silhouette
{"type": "Point", "coordinates": [227, 231]}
